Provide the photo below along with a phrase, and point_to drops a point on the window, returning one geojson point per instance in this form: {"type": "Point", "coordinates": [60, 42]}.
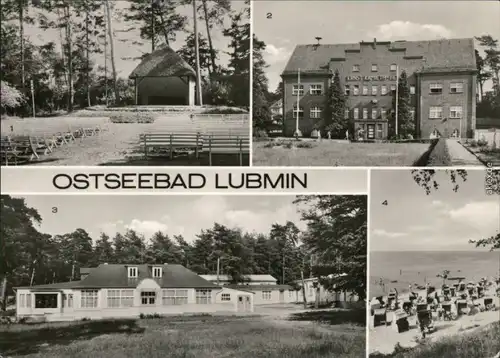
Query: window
{"type": "Point", "coordinates": [157, 272]}
{"type": "Point", "coordinates": [225, 297]}
{"type": "Point", "coordinates": [436, 88]}
{"type": "Point", "coordinates": [365, 90]}
{"type": "Point", "coordinates": [113, 298]}
{"type": "Point", "coordinates": [356, 113]}
{"type": "Point", "coordinates": [347, 90]}
{"type": "Point", "coordinates": [365, 113]}
{"type": "Point", "coordinates": [412, 113]}
{"type": "Point", "coordinates": [393, 88]}
{"type": "Point", "coordinates": [301, 112]}
{"type": "Point", "coordinates": [290, 294]}
{"type": "Point", "coordinates": [355, 68]}
{"type": "Point", "coordinates": [203, 296]}
{"type": "Point", "coordinates": [174, 297]}
{"type": "Point", "coordinates": [456, 112]}
{"type": "Point", "coordinates": [266, 295]}
{"type": "Point", "coordinates": [374, 114]}
{"type": "Point", "coordinates": [22, 300]}
{"type": "Point", "coordinates": [379, 131]}
{"type": "Point", "coordinates": [45, 300]}
{"type": "Point", "coordinates": [435, 112]}
{"type": "Point", "coordinates": [315, 112]}
{"type": "Point", "coordinates": [383, 90]}
{"type": "Point", "coordinates": [394, 67]}
{"type": "Point", "coordinates": [316, 89]}
{"type": "Point", "coordinates": [383, 113]}
{"type": "Point", "coordinates": [356, 90]}
{"type": "Point", "coordinates": [374, 90]}
{"type": "Point", "coordinates": [67, 300]}
{"type": "Point", "coordinates": [132, 272]}
{"type": "Point", "coordinates": [412, 89]}
{"type": "Point", "coordinates": [298, 89]}
{"type": "Point", "coordinates": [148, 297]}
{"type": "Point", "coordinates": [374, 68]}
{"type": "Point", "coordinates": [346, 114]}
{"type": "Point", "coordinates": [89, 299]}
{"type": "Point", "coordinates": [456, 87]}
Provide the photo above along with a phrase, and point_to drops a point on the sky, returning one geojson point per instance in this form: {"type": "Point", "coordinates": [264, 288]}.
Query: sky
{"type": "Point", "coordinates": [173, 214]}
{"type": "Point", "coordinates": [299, 22]}
{"type": "Point", "coordinates": [124, 50]}
{"type": "Point", "coordinates": [442, 220]}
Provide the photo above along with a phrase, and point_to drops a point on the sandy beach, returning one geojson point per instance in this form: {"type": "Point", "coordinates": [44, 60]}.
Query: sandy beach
{"type": "Point", "coordinates": [383, 339]}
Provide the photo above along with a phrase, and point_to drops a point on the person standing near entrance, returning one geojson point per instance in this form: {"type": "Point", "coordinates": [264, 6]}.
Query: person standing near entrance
{"type": "Point", "coordinates": [347, 134]}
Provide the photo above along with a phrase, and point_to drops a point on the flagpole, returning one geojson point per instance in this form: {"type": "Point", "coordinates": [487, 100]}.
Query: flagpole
{"type": "Point", "coordinates": [298, 107]}
{"type": "Point", "coordinates": [397, 95]}
{"type": "Point", "coordinates": [197, 57]}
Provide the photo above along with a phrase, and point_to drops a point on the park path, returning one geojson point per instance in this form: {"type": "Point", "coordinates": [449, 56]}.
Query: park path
{"type": "Point", "coordinates": [461, 156]}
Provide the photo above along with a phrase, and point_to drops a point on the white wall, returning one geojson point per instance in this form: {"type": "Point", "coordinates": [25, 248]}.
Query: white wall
{"type": "Point", "coordinates": [490, 137]}
{"type": "Point", "coordinates": [102, 311]}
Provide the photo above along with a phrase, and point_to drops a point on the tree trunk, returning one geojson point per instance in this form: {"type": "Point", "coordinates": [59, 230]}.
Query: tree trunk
{"type": "Point", "coordinates": [112, 51]}
{"type": "Point", "coordinates": [164, 29]}
{"type": "Point", "coordinates": [87, 54]}
{"type": "Point", "coordinates": [69, 44]}
{"type": "Point", "coordinates": [21, 35]}
{"type": "Point", "coordinates": [303, 289]}
{"type": "Point", "coordinates": [209, 37]}
{"type": "Point", "coordinates": [4, 293]}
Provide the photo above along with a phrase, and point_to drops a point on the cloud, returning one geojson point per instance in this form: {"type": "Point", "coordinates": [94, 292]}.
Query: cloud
{"type": "Point", "coordinates": [400, 30]}
{"type": "Point", "coordinates": [381, 232]}
{"type": "Point", "coordinates": [146, 227]}
{"type": "Point", "coordinates": [481, 215]}
{"type": "Point", "coordinates": [274, 54]}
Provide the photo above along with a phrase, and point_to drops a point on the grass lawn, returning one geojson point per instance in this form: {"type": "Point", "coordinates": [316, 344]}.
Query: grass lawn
{"type": "Point", "coordinates": [329, 153]}
{"type": "Point", "coordinates": [118, 145]}
{"type": "Point", "coordinates": [186, 337]}
{"type": "Point", "coordinates": [489, 156]}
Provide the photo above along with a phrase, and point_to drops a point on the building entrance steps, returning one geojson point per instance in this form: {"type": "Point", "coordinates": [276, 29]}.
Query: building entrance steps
{"type": "Point", "coordinates": [461, 156]}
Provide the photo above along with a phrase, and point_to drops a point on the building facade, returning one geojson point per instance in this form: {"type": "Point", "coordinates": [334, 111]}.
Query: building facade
{"type": "Point", "coordinates": [441, 77]}
{"type": "Point", "coordinates": [114, 291]}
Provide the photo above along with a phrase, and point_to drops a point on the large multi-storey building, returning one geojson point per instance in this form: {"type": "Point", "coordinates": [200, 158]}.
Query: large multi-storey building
{"type": "Point", "coordinates": [441, 75]}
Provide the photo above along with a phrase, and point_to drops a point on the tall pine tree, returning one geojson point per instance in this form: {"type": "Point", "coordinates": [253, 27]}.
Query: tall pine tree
{"type": "Point", "coordinates": [335, 120]}
{"type": "Point", "coordinates": [406, 123]}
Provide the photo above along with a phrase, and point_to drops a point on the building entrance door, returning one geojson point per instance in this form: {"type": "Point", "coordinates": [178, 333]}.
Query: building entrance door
{"type": "Point", "coordinates": [282, 296]}
{"type": "Point", "coordinates": [370, 131]}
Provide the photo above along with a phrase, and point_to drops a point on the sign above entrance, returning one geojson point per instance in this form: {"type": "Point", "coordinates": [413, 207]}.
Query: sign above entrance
{"type": "Point", "coordinates": [371, 78]}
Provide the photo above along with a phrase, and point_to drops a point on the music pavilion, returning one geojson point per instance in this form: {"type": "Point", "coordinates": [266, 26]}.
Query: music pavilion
{"type": "Point", "coordinates": [441, 75]}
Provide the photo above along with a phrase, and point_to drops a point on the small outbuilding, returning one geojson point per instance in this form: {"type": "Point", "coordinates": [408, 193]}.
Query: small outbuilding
{"type": "Point", "coordinates": [164, 78]}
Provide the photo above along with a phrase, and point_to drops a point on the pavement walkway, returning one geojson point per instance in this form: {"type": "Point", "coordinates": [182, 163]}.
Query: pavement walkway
{"type": "Point", "coordinates": [461, 156]}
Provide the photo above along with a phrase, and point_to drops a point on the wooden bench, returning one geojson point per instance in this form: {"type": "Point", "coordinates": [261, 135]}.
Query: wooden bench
{"type": "Point", "coordinates": [9, 153]}
{"type": "Point", "coordinates": [171, 142]}
{"type": "Point", "coordinates": [224, 144]}
{"type": "Point", "coordinates": [21, 149]}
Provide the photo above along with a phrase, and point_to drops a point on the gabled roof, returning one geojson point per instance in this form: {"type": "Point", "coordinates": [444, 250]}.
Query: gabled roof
{"type": "Point", "coordinates": [443, 53]}
{"type": "Point", "coordinates": [163, 62]}
{"type": "Point", "coordinates": [250, 278]}
{"type": "Point", "coordinates": [260, 287]}
{"type": "Point", "coordinates": [116, 276]}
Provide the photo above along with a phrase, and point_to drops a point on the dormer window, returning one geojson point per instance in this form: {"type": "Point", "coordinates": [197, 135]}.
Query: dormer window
{"type": "Point", "coordinates": [157, 272]}
{"type": "Point", "coordinates": [394, 67]}
{"type": "Point", "coordinates": [132, 272]}
{"type": "Point", "coordinates": [374, 68]}
{"type": "Point", "coordinates": [355, 68]}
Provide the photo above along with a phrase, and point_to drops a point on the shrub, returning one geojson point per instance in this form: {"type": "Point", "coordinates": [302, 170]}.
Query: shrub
{"type": "Point", "coordinates": [439, 155]}
{"type": "Point", "coordinates": [288, 144]}
{"type": "Point", "coordinates": [482, 143]}
{"type": "Point", "coordinates": [260, 133]}
{"type": "Point", "coordinates": [9, 96]}
{"type": "Point", "coordinates": [304, 145]}
{"type": "Point", "coordinates": [473, 143]}
{"type": "Point", "coordinates": [150, 316]}
{"type": "Point", "coordinates": [226, 110]}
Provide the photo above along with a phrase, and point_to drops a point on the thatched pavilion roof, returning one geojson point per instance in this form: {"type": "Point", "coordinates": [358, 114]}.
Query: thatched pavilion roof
{"type": "Point", "coordinates": [163, 62]}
